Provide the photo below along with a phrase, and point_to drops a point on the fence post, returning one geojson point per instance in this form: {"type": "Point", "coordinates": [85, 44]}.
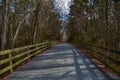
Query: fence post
{"type": "Point", "coordinates": [11, 63]}
{"type": "Point", "coordinates": [28, 49]}
{"type": "Point", "coordinates": [49, 44]}
{"type": "Point", "coordinates": [106, 56]}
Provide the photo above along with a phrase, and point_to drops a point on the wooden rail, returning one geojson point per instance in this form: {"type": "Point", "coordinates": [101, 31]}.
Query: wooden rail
{"type": "Point", "coordinates": [9, 59]}
{"type": "Point", "coordinates": [109, 57]}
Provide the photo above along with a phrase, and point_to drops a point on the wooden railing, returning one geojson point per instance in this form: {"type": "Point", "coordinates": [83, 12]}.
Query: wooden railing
{"type": "Point", "coordinates": [109, 57]}
{"type": "Point", "coordinates": [9, 59]}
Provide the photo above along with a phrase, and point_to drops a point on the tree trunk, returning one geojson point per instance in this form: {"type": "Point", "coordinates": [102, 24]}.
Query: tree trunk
{"type": "Point", "coordinates": [35, 23]}
{"type": "Point", "coordinates": [5, 8]}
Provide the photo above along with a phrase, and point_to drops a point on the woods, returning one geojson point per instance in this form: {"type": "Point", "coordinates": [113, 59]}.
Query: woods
{"type": "Point", "coordinates": [95, 22]}
{"type": "Point", "coordinates": [26, 22]}
{"type": "Point", "coordinates": [29, 27]}
{"type": "Point", "coordinates": [91, 21]}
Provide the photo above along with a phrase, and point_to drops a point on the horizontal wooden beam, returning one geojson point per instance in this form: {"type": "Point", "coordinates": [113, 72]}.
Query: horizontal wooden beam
{"type": "Point", "coordinates": [20, 54]}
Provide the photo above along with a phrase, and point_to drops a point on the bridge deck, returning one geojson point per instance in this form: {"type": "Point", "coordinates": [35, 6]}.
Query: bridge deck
{"type": "Point", "coordinates": [62, 62]}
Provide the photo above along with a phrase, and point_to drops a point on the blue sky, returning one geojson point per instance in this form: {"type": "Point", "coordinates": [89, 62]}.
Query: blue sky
{"type": "Point", "coordinates": [63, 8]}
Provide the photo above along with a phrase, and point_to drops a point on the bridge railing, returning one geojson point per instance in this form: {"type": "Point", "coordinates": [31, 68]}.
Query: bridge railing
{"type": "Point", "coordinates": [9, 59]}
{"type": "Point", "coordinates": [109, 57]}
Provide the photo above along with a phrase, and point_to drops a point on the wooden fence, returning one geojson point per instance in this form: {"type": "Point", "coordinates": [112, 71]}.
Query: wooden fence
{"type": "Point", "coordinates": [9, 59]}
{"type": "Point", "coordinates": [109, 57]}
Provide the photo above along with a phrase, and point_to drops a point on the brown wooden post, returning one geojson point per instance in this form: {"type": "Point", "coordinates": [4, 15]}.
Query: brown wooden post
{"type": "Point", "coordinates": [11, 63]}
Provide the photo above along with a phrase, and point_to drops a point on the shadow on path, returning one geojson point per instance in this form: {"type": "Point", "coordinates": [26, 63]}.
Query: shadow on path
{"type": "Point", "coordinates": [62, 62]}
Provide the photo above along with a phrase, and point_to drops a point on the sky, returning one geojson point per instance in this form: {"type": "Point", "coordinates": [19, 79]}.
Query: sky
{"type": "Point", "coordinates": [63, 8]}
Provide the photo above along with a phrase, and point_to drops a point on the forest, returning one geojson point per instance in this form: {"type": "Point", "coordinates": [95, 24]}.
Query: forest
{"type": "Point", "coordinates": [26, 22]}
{"type": "Point", "coordinates": [28, 27]}
{"type": "Point", "coordinates": [95, 22]}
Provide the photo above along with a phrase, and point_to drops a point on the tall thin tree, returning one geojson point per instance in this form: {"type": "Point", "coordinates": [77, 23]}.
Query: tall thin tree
{"type": "Point", "coordinates": [5, 10]}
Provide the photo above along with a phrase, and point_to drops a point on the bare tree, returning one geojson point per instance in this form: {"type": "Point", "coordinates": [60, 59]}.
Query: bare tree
{"type": "Point", "coordinates": [5, 10]}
